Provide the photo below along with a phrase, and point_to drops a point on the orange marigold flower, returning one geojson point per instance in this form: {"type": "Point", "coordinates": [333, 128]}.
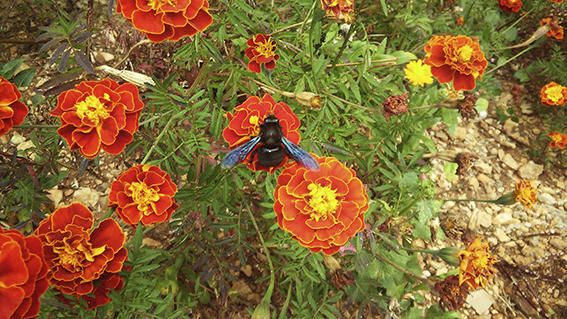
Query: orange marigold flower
{"type": "Point", "coordinates": [245, 122]}
{"type": "Point", "coordinates": [555, 29]}
{"type": "Point", "coordinates": [553, 94]}
{"type": "Point", "coordinates": [143, 193]}
{"type": "Point", "coordinates": [455, 58]}
{"type": "Point", "coordinates": [556, 1]}
{"type": "Point", "coordinates": [339, 9]}
{"type": "Point", "coordinates": [261, 51]}
{"type": "Point", "coordinates": [23, 275]}
{"type": "Point", "coordinates": [511, 5]}
{"type": "Point", "coordinates": [558, 140]}
{"type": "Point", "coordinates": [80, 259]}
{"type": "Point", "coordinates": [321, 209]}
{"type": "Point", "coordinates": [460, 20]}
{"type": "Point", "coordinates": [12, 111]}
{"type": "Point", "coordinates": [525, 193]}
{"type": "Point", "coordinates": [162, 20]}
{"type": "Point", "coordinates": [99, 115]}
{"type": "Point", "coordinates": [476, 266]}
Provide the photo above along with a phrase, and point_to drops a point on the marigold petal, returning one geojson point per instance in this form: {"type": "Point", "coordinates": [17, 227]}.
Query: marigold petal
{"type": "Point", "coordinates": [11, 298]}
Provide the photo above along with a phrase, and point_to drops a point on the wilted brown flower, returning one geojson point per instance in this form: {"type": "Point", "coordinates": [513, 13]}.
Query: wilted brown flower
{"type": "Point", "coordinates": [452, 295]}
{"type": "Point", "coordinates": [342, 278]}
{"type": "Point", "coordinates": [395, 105]}
{"type": "Point", "coordinates": [477, 264]}
{"type": "Point", "coordinates": [465, 161]}
{"type": "Point", "coordinates": [467, 107]}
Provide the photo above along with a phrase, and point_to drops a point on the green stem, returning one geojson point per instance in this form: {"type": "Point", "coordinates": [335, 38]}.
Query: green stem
{"type": "Point", "coordinates": [405, 271]}
{"type": "Point", "coordinates": [468, 200]}
{"type": "Point", "coordinates": [160, 136]}
{"type": "Point", "coordinates": [509, 60]}
{"type": "Point", "coordinates": [268, 296]}
{"type": "Point", "coordinates": [345, 42]}
{"type": "Point", "coordinates": [37, 126]}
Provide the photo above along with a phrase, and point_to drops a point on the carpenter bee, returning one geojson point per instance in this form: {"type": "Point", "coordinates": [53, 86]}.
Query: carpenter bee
{"type": "Point", "coordinates": [272, 150]}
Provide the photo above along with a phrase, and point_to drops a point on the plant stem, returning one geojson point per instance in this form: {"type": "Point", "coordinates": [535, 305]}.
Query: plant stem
{"type": "Point", "coordinates": [268, 295]}
{"type": "Point", "coordinates": [160, 136]}
{"type": "Point", "coordinates": [37, 126]}
{"type": "Point", "coordinates": [405, 271]}
{"type": "Point", "coordinates": [345, 42]}
{"type": "Point", "coordinates": [509, 60]}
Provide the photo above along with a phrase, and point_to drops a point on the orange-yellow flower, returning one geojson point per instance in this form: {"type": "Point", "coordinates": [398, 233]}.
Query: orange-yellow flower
{"type": "Point", "coordinates": [553, 94]}
{"type": "Point", "coordinates": [558, 140]}
{"type": "Point", "coordinates": [555, 29]}
{"type": "Point", "coordinates": [525, 193]}
{"type": "Point", "coordinates": [511, 5]}
{"type": "Point", "coordinates": [261, 51]}
{"type": "Point", "coordinates": [81, 259]}
{"type": "Point", "coordinates": [99, 115]}
{"type": "Point", "coordinates": [460, 20]}
{"type": "Point", "coordinates": [556, 1]}
{"type": "Point", "coordinates": [162, 20]}
{"type": "Point", "coordinates": [321, 209]}
{"type": "Point", "coordinates": [143, 193]}
{"type": "Point", "coordinates": [23, 275]}
{"type": "Point", "coordinates": [339, 9]}
{"type": "Point", "coordinates": [476, 266]}
{"type": "Point", "coordinates": [456, 59]}
{"type": "Point", "coordinates": [12, 111]}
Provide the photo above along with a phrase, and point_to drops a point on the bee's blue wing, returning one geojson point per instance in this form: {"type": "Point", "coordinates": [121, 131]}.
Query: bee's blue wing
{"type": "Point", "coordinates": [238, 154]}
{"type": "Point", "coordinates": [299, 155]}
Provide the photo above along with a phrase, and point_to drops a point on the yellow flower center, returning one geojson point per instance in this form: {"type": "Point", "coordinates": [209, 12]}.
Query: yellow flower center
{"type": "Point", "coordinates": [554, 93]}
{"type": "Point", "coordinates": [157, 4]}
{"type": "Point", "coordinates": [556, 138]}
{"type": "Point", "coordinates": [93, 109]}
{"type": "Point", "coordinates": [525, 193]}
{"type": "Point", "coordinates": [418, 73]}
{"type": "Point", "coordinates": [255, 122]}
{"type": "Point", "coordinates": [465, 53]}
{"type": "Point", "coordinates": [323, 200]}
{"type": "Point", "coordinates": [143, 196]}
{"type": "Point", "coordinates": [480, 261]}
{"type": "Point", "coordinates": [71, 257]}
{"type": "Point", "coordinates": [266, 48]}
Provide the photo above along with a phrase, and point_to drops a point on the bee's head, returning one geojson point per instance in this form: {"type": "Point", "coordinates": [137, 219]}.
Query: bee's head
{"type": "Point", "coordinates": [271, 119]}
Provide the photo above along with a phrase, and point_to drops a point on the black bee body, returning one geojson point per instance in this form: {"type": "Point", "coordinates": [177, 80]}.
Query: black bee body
{"type": "Point", "coordinates": [272, 149]}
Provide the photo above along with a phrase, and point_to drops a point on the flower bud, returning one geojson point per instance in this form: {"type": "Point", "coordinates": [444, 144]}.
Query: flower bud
{"type": "Point", "coordinates": [262, 311]}
{"type": "Point", "coordinates": [449, 255]}
{"type": "Point", "coordinates": [309, 99]}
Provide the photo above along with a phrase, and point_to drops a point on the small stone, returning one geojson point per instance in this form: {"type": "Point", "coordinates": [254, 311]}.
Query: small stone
{"type": "Point", "coordinates": [526, 108]}
{"type": "Point", "coordinates": [55, 195]}
{"type": "Point", "coordinates": [511, 162]}
{"type": "Point", "coordinates": [25, 146]}
{"type": "Point", "coordinates": [103, 57]}
{"type": "Point", "coordinates": [480, 301]}
{"type": "Point", "coordinates": [247, 270]}
{"type": "Point", "coordinates": [546, 199]}
{"type": "Point", "coordinates": [530, 170]}
{"type": "Point", "coordinates": [503, 218]}
{"type": "Point", "coordinates": [461, 133]}
{"type": "Point", "coordinates": [501, 235]}
{"type": "Point", "coordinates": [485, 180]}
{"type": "Point", "coordinates": [68, 192]}
{"type": "Point", "coordinates": [86, 196]}
{"type": "Point", "coordinates": [483, 167]}
{"type": "Point", "coordinates": [559, 243]}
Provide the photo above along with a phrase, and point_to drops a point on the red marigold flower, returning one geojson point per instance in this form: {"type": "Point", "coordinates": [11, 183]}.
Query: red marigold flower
{"type": "Point", "coordinates": [261, 51]}
{"type": "Point", "coordinates": [80, 259]}
{"type": "Point", "coordinates": [555, 29]}
{"type": "Point", "coordinates": [12, 111]}
{"type": "Point", "coordinates": [143, 193]}
{"type": "Point", "coordinates": [162, 20]}
{"type": "Point", "coordinates": [339, 9]}
{"type": "Point", "coordinates": [558, 140]}
{"type": "Point", "coordinates": [556, 1]}
{"type": "Point", "coordinates": [455, 58]}
{"type": "Point", "coordinates": [322, 209]}
{"type": "Point", "coordinates": [511, 5]}
{"type": "Point", "coordinates": [245, 122]}
{"type": "Point", "coordinates": [99, 115]}
{"type": "Point", "coordinates": [460, 20]}
{"type": "Point", "coordinates": [553, 94]}
{"type": "Point", "coordinates": [23, 275]}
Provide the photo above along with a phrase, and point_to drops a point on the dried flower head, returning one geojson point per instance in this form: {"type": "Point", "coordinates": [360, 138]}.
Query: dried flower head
{"type": "Point", "coordinates": [465, 161]}
{"type": "Point", "coordinates": [553, 94]}
{"type": "Point", "coordinates": [467, 108]}
{"type": "Point", "coordinates": [418, 74]}
{"type": "Point", "coordinates": [308, 99]}
{"type": "Point", "coordinates": [395, 105]}
{"type": "Point", "coordinates": [555, 29]}
{"type": "Point", "coordinates": [525, 193]}
{"type": "Point", "coordinates": [558, 140]}
{"type": "Point", "coordinates": [457, 59]}
{"type": "Point", "coordinates": [452, 295]}
{"type": "Point", "coordinates": [342, 278]}
{"type": "Point", "coordinates": [339, 9]}
{"type": "Point", "coordinates": [477, 264]}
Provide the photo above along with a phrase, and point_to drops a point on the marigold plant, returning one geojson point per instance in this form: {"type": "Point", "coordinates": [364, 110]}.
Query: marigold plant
{"type": "Point", "coordinates": [12, 111]}
{"type": "Point", "coordinates": [458, 59]}
{"type": "Point", "coordinates": [525, 193]}
{"type": "Point", "coordinates": [143, 193]}
{"type": "Point", "coordinates": [339, 9]}
{"type": "Point", "coordinates": [418, 74]}
{"type": "Point", "coordinates": [80, 259]}
{"type": "Point", "coordinates": [246, 119]}
{"type": "Point", "coordinates": [511, 5]}
{"type": "Point", "coordinates": [162, 20]}
{"type": "Point", "coordinates": [452, 295]}
{"type": "Point", "coordinates": [558, 140]}
{"type": "Point", "coordinates": [23, 275]}
{"type": "Point", "coordinates": [321, 209]}
{"type": "Point", "coordinates": [477, 264]}
{"type": "Point", "coordinates": [99, 115]}
{"type": "Point", "coordinates": [556, 31]}
{"type": "Point", "coordinates": [553, 94]}
{"type": "Point", "coordinates": [261, 51]}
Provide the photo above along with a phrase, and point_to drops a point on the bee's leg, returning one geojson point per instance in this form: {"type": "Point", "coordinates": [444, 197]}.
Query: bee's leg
{"type": "Point", "coordinates": [253, 154]}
